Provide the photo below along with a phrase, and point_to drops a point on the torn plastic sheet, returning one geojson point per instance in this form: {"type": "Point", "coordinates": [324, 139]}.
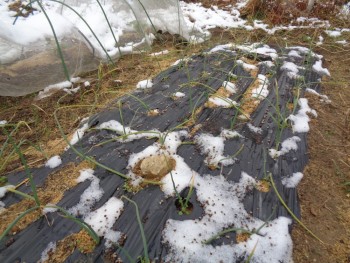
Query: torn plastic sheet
{"type": "Point", "coordinates": [250, 149]}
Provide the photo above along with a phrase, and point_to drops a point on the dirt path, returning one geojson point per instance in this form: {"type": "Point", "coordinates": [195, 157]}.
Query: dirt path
{"type": "Point", "coordinates": [325, 203]}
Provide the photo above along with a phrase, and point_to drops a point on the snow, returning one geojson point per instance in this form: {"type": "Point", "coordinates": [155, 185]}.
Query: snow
{"type": "Point", "coordinates": [156, 54]}
{"type": "Point", "coordinates": [292, 69]}
{"type": "Point", "coordinates": [49, 209]}
{"type": "Point", "coordinates": [179, 94]}
{"type": "Point", "coordinates": [230, 87]}
{"type": "Point", "coordinates": [103, 219]}
{"type": "Point", "coordinates": [50, 248]}
{"type": "Point", "coordinates": [317, 67]}
{"type": "Point", "coordinates": [4, 190]}
{"type": "Point", "coordinates": [292, 181]}
{"type": "Point", "coordinates": [55, 87]}
{"type": "Point", "coordinates": [222, 209]}
{"type": "Point", "coordinates": [254, 128]}
{"type": "Point", "coordinates": [300, 121]}
{"type": "Point", "coordinates": [246, 66]}
{"type": "Point", "coordinates": [333, 33]}
{"type": "Point", "coordinates": [127, 134]}
{"type": "Point", "coordinates": [222, 102]}
{"type": "Point", "coordinates": [54, 162]}
{"type": "Point", "coordinates": [262, 91]}
{"type": "Point", "coordinates": [144, 84]}
{"type": "Point", "coordinates": [90, 196]}
{"type": "Point", "coordinates": [2, 123]}
{"type": "Point", "coordinates": [324, 98]}
{"type": "Point", "coordinates": [78, 134]}
{"type": "Point", "coordinates": [342, 42]}
{"type": "Point", "coordinates": [287, 145]}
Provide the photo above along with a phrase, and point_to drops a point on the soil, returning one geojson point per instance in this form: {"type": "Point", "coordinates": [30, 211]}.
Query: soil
{"type": "Point", "coordinates": [324, 199]}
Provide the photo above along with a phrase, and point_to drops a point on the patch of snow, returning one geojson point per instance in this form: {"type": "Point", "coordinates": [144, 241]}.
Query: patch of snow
{"type": "Point", "coordinates": [47, 209]}
{"type": "Point", "coordinates": [103, 219]}
{"type": "Point", "coordinates": [229, 134]}
{"type": "Point", "coordinates": [78, 134]}
{"type": "Point", "coordinates": [230, 87]}
{"type": "Point", "coordinates": [292, 69]}
{"type": "Point", "coordinates": [333, 33]}
{"type": "Point", "coordinates": [2, 123]}
{"type": "Point", "coordinates": [300, 121]}
{"type": "Point", "coordinates": [127, 133]}
{"type": "Point", "coordinates": [286, 146]}
{"type": "Point", "coordinates": [90, 196]}
{"type": "Point", "coordinates": [223, 102]}
{"type": "Point", "coordinates": [87, 83]}
{"type": "Point", "coordinates": [317, 67]}
{"type": "Point", "coordinates": [54, 162]}
{"type": "Point", "coordinates": [342, 42]}
{"type": "Point", "coordinates": [294, 53]}
{"type": "Point", "coordinates": [223, 209]}
{"type": "Point", "coordinates": [246, 66]}
{"type": "Point", "coordinates": [144, 84]}
{"type": "Point", "coordinates": [324, 98]}
{"type": "Point", "coordinates": [49, 90]}
{"type": "Point", "coordinates": [262, 91]}
{"type": "Point", "coordinates": [4, 190]}
{"type": "Point", "coordinates": [50, 248]}
{"type": "Point", "coordinates": [320, 40]}
{"type": "Point", "coordinates": [292, 181]}
{"type": "Point", "coordinates": [164, 52]}
{"type": "Point", "coordinates": [254, 128]}
{"type": "Point", "coordinates": [182, 60]}
{"type": "Point", "coordinates": [179, 94]}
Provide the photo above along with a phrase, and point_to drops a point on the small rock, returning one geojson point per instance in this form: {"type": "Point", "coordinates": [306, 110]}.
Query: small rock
{"type": "Point", "coordinates": [156, 166]}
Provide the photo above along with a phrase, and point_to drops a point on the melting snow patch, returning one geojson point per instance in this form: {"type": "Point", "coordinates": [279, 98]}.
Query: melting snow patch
{"type": "Point", "coordinates": [230, 87]}
{"type": "Point", "coordinates": [286, 146]}
{"type": "Point", "coordinates": [4, 190]}
{"type": "Point", "coordinates": [179, 94]}
{"type": "Point", "coordinates": [51, 247]}
{"type": "Point", "coordinates": [90, 196]}
{"type": "Point", "coordinates": [2, 123]}
{"type": "Point", "coordinates": [342, 42]}
{"type": "Point", "coordinates": [254, 128]}
{"type": "Point", "coordinates": [333, 33]}
{"type": "Point", "coordinates": [292, 181]}
{"type": "Point", "coordinates": [324, 98]}
{"type": "Point", "coordinates": [54, 87]}
{"type": "Point", "coordinates": [127, 132]}
{"type": "Point", "coordinates": [54, 162]}
{"type": "Point", "coordinates": [246, 66]}
{"type": "Point", "coordinates": [164, 52]}
{"type": "Point", "coordinates": [103, 219]}
{"type": "Point", "coordinates": [223, 102]}
{"type": "Point", "coordinates": [48, 209]}
{"type": "Point", "coordinates": [213, 148]}
{"type": "Point", "coordinates": [317, 67]}
{"type": "Point", "coordinates": [223, 208]}
{"type": "Point", "coordinates": [300, 121]}
{"type": "Point", "coordinates": [144, 84]}
{"type": "Point", "coordinates": [292, 69]}
{"type": "Point", "coordinates": [261, 92]}
{"type": "Point", "coordinates": [78, 134]}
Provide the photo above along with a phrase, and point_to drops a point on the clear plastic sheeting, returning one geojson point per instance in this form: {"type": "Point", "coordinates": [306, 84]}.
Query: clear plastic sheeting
{"type": "Point", "coordinates": [38, 65]}
{"type": "Point", "coordinates": [88, 32]}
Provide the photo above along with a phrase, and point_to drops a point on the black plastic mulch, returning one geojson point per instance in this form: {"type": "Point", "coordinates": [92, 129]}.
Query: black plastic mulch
{"type": "Point", "coordinates": [187, 77]}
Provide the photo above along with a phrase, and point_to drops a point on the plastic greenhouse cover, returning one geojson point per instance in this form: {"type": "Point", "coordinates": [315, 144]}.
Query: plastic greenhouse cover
{"type": "Point", "coordinates": [29, 59]}
{"type": "Point", "coordinates": [223, 175]}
